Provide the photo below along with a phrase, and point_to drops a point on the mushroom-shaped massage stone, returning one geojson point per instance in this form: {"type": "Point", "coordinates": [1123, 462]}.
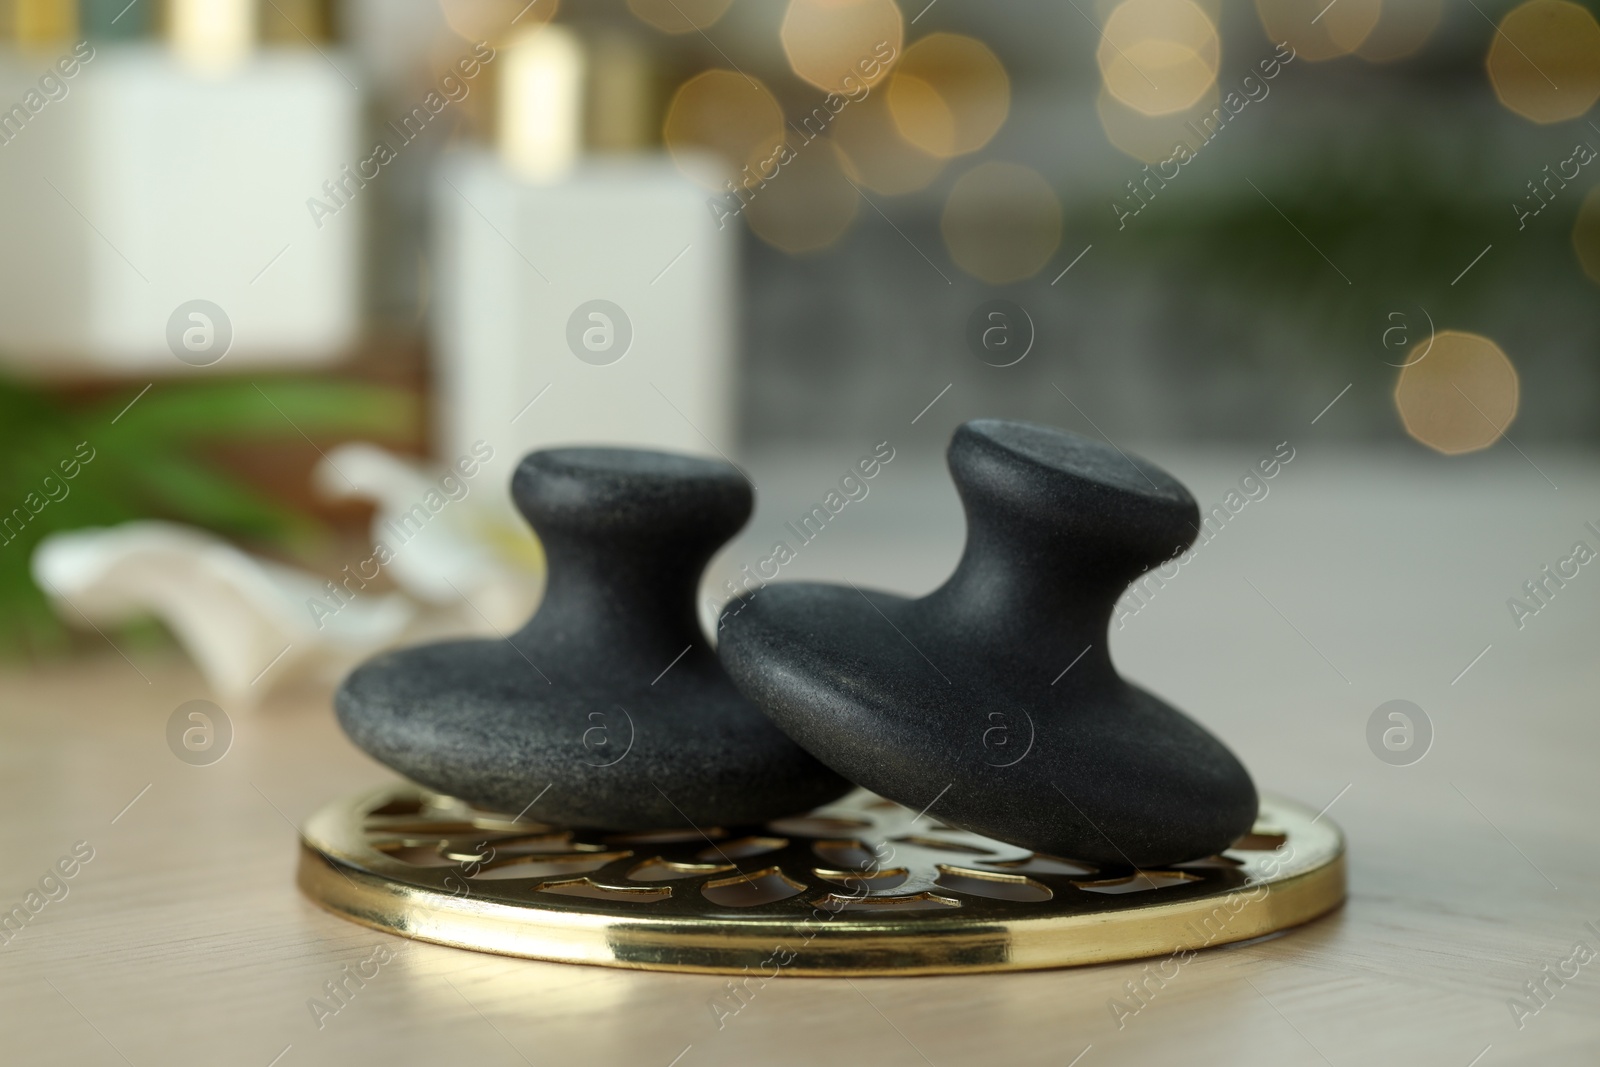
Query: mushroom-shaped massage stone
{"type": "Point", "coordinates": [993, 699]}
{"type": "Point", "coordinates": [609, 706]}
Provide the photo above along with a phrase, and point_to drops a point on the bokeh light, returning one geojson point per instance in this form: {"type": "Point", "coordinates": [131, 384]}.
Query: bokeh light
{"type": "Point", "coordinates": [1402, 29]}
{"type": "Point", "coordinates": [875, 155]}
{"type": "Point", "coordinates": [1153, 138]}
{"type": "Point", "coordinates": [841, 45]}
{"type": "Point", "coordinates": [1458, 392]}
{"type": "Point", "coordinates": [1318, 30]}
{"type": "Point", "coordinates": [1158, 56]}
{"type": "Point", "coordinates": [490, 20]}
{"type": "Point", "coordinates": [949, 95]}
{"type": "Point", "coordinates": [1544, 62]}
{"type": "Point", "coordinates": [1586, 235]}
{"type": "Point", "coordinates": [1002, 222]}
{"type": "Point", "coordinates": [733, 118]}
{"type": "Point", "coordinates": [679, 16]}
{"type": "Point", "coordinates": [808, 204]}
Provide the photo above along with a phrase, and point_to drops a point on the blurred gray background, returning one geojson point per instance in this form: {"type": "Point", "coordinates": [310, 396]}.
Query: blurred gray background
{"type": "Point", "coordinates": [1209, 316]}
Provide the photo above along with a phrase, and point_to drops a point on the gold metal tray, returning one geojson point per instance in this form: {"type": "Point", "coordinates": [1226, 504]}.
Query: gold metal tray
{"type": "Point", "coordinates": [863, 886]}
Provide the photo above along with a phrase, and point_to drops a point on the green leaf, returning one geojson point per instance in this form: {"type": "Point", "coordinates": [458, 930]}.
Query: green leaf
{"type": "Point", "coordinates": [145, 466]}
{"type": "Point", "coordinates": [265, 410]}
{"type": "Point", "coordinates": [188, 492]}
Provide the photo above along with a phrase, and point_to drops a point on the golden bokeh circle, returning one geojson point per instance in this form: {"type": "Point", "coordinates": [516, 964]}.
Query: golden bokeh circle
{"type": "Point", "coordinates": [1458, 392]}
{"type": "Point", "coordinates": [679, 16]}
{"type": "Point", "coordinates": [807, 205]}
{"type": "Point", "coordinates": [719, 122]}
{"type": "Point", "coordinates": [1586, 235]}
{"type": "Point", "coordinates": [1544, 61]}
{"type": "Point", "coordinates": [1179, 21]}
{"type": "Point", "coordinates": [1154, 138]}
{"type": "Point", "coordinates": [921, 116]}
{"type": "Point", "coordinates": [1402, 29]}
{"type": "Point", "coordinates": [490, 20]}
{"type": "Point", "coordinates": [949, 94]}
{"type": "Point", "coordinates": [1001, 222]}
{"type": "Point", "coordinates": [875, 155]}
{"type": "Point", "coordinates": [841, 46]}
{"type": "Point", "coordinates": [1158, 56]}
{"type": "Point", "coordinates": [1316, 29]}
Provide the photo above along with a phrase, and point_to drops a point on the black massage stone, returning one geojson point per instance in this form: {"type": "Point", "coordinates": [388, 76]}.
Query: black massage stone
{"type": "Point", "coordinates": [962, 701]}
{"type": "Point", "coordinates": [609, 698]}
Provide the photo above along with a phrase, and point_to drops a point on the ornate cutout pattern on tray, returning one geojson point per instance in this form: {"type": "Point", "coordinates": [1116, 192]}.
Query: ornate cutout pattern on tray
{"type": "Point", "coordinates": [861, 886]}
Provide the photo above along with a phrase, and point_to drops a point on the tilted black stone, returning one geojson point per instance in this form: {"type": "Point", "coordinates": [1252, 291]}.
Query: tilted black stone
{"type": "Point", "coordinates": [958, 700]}
{"type": "Point", "coordinates": [609, 698]}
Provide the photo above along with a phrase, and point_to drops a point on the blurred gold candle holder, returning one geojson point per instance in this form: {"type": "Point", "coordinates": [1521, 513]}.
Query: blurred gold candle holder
{"type": "Point", "coordinates": [39, 23]}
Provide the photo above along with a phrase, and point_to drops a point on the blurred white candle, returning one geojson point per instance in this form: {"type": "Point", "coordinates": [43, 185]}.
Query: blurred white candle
{"type": "Point", "coordinates": [603, 282]}
{"type": "Point", "coordinates": [212, 35]}
{"type": "Point", "coordinates": [150, 149]}
{"type": "Point", "coordinates": [541, 103]}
